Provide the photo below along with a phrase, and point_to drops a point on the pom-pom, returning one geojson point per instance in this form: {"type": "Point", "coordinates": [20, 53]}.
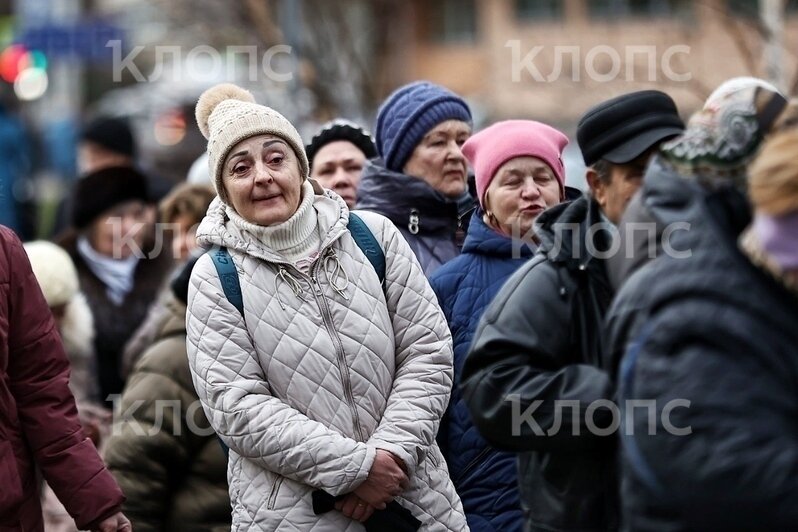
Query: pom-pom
{"type": "Point", "coordinates": [213, 97]}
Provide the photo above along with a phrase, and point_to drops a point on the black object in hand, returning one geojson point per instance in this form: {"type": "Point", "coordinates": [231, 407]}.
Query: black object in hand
{"type": "Point", "coordinates": [394, 518]}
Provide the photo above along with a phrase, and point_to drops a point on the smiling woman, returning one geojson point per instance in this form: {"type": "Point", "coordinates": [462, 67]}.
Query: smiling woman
{"type": "Point", "coordinates": [330, 378]}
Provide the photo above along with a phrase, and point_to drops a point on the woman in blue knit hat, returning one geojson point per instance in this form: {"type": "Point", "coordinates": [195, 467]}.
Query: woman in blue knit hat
{"type": "Point", "coordinates": [420, 180]}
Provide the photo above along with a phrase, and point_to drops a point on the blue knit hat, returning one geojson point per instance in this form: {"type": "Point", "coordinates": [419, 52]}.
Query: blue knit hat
{"type": "Point", "coordinates": [410, 113]}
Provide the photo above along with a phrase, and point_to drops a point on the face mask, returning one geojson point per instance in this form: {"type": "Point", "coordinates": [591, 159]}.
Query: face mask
{"type": "Point", "coordinates": [778, 236]}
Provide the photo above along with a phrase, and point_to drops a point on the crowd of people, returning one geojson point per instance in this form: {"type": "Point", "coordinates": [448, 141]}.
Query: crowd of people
{"type": "Point", "coordinates": [424, 330]}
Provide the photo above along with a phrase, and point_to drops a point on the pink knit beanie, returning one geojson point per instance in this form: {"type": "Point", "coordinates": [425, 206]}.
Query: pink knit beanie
{"type": "Point", "coordinates": [497, 144]}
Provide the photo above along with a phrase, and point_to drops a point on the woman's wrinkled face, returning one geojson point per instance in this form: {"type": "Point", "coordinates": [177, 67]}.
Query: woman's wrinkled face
{"type": "Point", "coordinates": [123, 230]}
{"type": "Point", "coordinates": [521, 189]}
{"type": "Point", "coordinates": [438, 159]}
{"type": "Point", "coordinates": [262, 179]}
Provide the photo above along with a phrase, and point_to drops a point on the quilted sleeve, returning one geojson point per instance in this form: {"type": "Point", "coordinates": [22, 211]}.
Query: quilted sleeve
{"type": "Point", "coordinates": [424, 361]}
{"type": "Point", "coordinates": [236, 398]}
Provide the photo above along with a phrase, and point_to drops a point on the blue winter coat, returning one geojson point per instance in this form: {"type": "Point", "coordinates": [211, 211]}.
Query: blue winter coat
{"type": "Point", "coordinates": [485, 479]}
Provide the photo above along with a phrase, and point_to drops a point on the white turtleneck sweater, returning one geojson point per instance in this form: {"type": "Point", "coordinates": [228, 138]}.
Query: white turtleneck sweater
{"type": "Point", "coordinates": [297, 239]}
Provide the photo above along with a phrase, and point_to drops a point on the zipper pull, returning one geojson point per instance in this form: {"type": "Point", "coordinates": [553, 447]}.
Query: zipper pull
{"type": "Point", "coordinates": [316, 285]}
{"type": "Point", "coordinates": [412, 226]}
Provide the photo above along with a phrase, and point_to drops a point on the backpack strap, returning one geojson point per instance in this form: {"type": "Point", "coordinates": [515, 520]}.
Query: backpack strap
{"type": "Point", "coordinates": [228, 277]}
{"type": "Point", "coordinates": [368, 244]}
{"type": "Point", "coordinates": [364, 238]}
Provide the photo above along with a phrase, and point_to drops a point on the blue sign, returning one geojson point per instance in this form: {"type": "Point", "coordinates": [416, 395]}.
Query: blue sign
{"type": "Point", "coordinates": [86, 40]}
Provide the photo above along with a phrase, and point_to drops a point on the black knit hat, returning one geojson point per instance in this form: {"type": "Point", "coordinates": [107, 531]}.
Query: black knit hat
{"type": "Point", "coordinates": [341, 129]}
{"type": "Point", "coordinates": [104, 189]}
{"type": "Point", "coordinates": [623, 128]}
{"type": "Point", "coordinates": [113, 134]}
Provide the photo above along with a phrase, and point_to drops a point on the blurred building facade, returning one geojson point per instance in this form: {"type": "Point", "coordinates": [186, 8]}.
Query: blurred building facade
{"type": "Point", "coordinates": [479, 48]}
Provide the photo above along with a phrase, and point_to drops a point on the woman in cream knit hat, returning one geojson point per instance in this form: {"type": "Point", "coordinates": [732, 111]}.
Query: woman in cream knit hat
{"type": "Point", "coordinates": [331, 385]}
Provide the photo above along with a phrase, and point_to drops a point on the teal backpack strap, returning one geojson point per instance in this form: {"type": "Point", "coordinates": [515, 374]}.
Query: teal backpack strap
{"type": "Point", "coordinates": [368, 244]}
{"type": "Point", "coordinates": [228, 276]}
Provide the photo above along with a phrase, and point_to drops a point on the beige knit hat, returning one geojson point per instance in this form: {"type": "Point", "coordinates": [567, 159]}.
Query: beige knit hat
{"type": "Point", "coordinates": [54, 270]}
{"type": "Point", "coordinates": [227, 114]}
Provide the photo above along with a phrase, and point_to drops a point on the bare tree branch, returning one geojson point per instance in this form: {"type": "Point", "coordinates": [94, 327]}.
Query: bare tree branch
{"type": "Point", "coordinates": [734, 29]}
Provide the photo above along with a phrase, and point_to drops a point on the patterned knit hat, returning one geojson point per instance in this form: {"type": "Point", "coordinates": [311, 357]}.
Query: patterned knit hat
{"type": "Point", "coordinates": [227, 114]}
{"type": "Point", "coordinates": [410, 113]}
{"type": "Point", "coordinates": [723, 138]}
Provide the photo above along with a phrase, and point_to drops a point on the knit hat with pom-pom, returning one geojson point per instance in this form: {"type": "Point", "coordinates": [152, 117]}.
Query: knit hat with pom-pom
{"type": "Point", "coordinates": [227, 114]}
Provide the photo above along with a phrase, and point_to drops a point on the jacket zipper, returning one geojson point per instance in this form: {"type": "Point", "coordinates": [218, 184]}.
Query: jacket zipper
{"type": "Point", "coordinates": [273, 495]}
{"type": "Point", "coordinates": [339, 349]}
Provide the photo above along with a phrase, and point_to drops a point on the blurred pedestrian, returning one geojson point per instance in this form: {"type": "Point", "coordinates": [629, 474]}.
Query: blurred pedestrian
{"type": "Point", "coordinates": [519, 174]}
{"type": "Point", "coordinates": [330, 375]}
{"type": "Point", "coordinates": [163, 453]}
{"type": "Point", "coordinates": [539, 346]}
{"type": "Point", "coordinates": [337, 156]}
{"type": "Point", "coordinates": [712, 156]}
{"type": "Point", "coordinates": [39, 425]}
{"type": "Point", "coordinates": [58, 280]}
{"type": "Point", "coordinates": [420, 180]}
{"type": "Point", "coordinates": [182, 210]}
{"type": "Point", "coordinates": [174, 474]}
{"type": "Point", "coordinates": [121, 259]}
{"type": "Point", "coordinates": [731, 107]}
{"type": "Point", "coordinates": [707, 333]}
{"type": "Point", "coordinates": [108, 142]}
{"type": "Point", "coordinates": [180, 213]}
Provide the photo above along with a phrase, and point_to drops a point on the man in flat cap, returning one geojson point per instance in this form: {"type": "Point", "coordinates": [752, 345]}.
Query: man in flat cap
{"type": "Point", "coordinates": [533, 380]}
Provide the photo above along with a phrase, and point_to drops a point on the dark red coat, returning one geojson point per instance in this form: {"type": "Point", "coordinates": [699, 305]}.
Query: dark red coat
{"type": "Point", "coordinates": [38, 419]}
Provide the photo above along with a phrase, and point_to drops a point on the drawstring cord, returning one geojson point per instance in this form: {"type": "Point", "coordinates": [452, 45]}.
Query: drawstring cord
{"type": "Point", "coordinates": [292, 282]}
{"type": "Point", "coordinates": [333, 269]}
{"type": "Point", "coordinates": [337, 270]}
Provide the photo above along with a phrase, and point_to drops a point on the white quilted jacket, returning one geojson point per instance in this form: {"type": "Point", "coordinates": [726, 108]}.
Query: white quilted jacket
{"type": "Point", "coordinates": [322, 371]}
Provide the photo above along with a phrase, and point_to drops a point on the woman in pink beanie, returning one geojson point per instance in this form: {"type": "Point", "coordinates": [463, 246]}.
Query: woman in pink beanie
{"type": "Point", "coordinates": [518, 163]}
{"type": "Point", "coordinates": [519, 173]}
